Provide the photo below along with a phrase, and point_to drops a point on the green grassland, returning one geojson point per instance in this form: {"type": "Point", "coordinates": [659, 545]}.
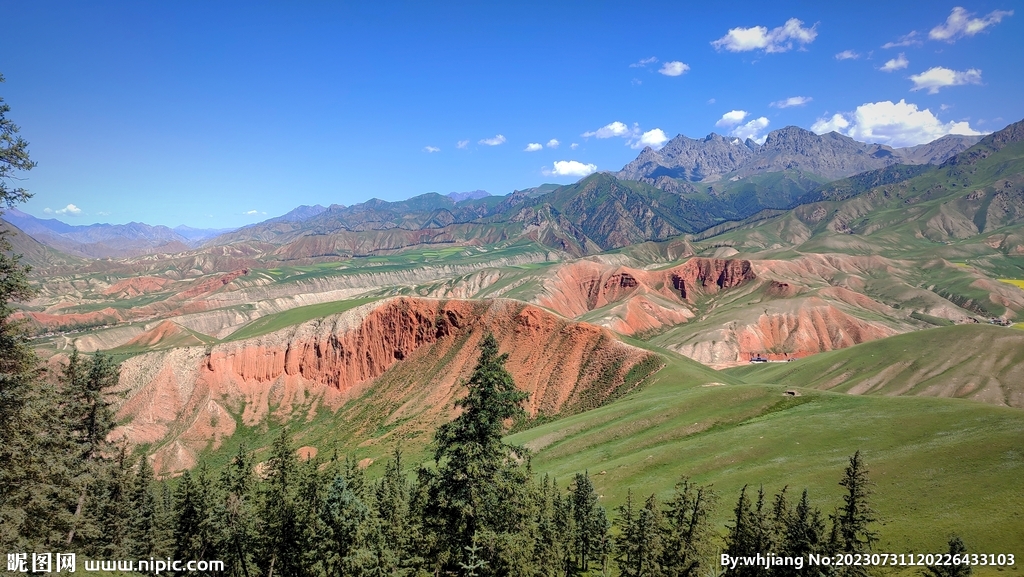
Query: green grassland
{"type": "Point", "coordinates": [940, 465]}
{"type": "Point", "coordinates": [295, 316]}
{"type": "Point", "coordinates": [962, 360]}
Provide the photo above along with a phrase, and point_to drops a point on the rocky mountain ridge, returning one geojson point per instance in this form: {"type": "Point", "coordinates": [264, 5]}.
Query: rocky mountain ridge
{"type": "Point", "coordinates": [830, 156]}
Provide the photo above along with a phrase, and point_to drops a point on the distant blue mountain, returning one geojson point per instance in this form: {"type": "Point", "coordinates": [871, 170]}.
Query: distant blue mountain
{"type": "Point", "coordinates": [474, 194]}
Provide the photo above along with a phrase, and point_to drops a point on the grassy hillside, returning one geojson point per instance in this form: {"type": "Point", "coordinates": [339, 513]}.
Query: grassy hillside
{"type": "Point", "coordinates": [979, 362]}
{"type": "Point", "coordinates": [940, 465]}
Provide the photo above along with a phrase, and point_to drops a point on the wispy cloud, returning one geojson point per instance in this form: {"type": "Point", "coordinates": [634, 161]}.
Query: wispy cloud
{"type": "Point", "coordinates": [960, 24]}
{"type": "Point", "coordinates": [553, 143]}
{"type": "Point", "coordinates": [69, 210]}
{"type": "Point", "coordinates": [938, 77]}
{"type": "Point", "coordinates": [674, 68]}
{"type": "Point", "coordinates": [574, 146]}
{"type": "Point", "coordinates": [431, 149]}
{"type": "Point", "coordinates": [462, 144]}
{"type": "Point", "coordinates": [847, 55]}
{"type": "Point", "coordinates": [910, 39]}
{"type": "Point", "coordinates": [898, 63]}
{"type": "Point", "coordinates": [495, 141]}
{"type": "Point", "coordinates": [780, 39]}
{"type": "Point", "coordinates": [644, 62]}
{"type": "Point", "coordinates": [570, 168]}
{"type": "Point", "coordinates": [533, 147]}
{"type": "Point", "coordinates": [791, 102]}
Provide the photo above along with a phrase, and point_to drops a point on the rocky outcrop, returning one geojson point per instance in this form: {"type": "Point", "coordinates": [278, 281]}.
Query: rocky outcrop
{"type": "Point", "coordinates": [183, 400]}
{"type": "Point", "coordinates": [644, 300]}
{"type": "Point", "coordinates": [708, 276]}
{"type": "Point", "coordinates": [831, 156]}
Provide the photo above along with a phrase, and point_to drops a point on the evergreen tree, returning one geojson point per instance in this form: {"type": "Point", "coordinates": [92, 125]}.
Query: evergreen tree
{"type": "Point", "coordinates": [589, 521]}
{"type": "Point", "coordinates": [194, 536]}
{"type": "Point", "coordinates": [85, 384]}
{"type": "Point", "coordinates": [688, 532]}
{"type": "Point", "coordinates": [804, 533]}
{"type": "Point", "coordinates": [956, 548]}
{"type": "Point", "coordinates": [343, 516]}
{"type": "Point", "coordinates": [480, 488]}
{"type": "Point", "coordinates": [639, 545]}
{"type": "Point", "coordinates": [143, 512]}
{"type": "Point", "coordinates": [281, 549]}
{"type": "Point", "coordinates": [854, 518]}
{"type": "Point", "coordinates": [235, 526]}
{"type": "Point", "coordinates": [750, 533]}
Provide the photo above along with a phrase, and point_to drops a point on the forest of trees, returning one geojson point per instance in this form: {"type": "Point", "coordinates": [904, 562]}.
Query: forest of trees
{"type": "Point", "coordinates": [476, 510]}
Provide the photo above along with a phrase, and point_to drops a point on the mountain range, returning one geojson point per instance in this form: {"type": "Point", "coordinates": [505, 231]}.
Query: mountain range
{"type": "Point", "coordinates": [687, 186]}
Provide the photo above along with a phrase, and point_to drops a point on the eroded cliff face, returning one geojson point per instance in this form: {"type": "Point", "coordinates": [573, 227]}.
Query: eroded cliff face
{"type": "Point", "coordinates": [644, 300]}
{"type": "Point", "coordinates": [184, 400]}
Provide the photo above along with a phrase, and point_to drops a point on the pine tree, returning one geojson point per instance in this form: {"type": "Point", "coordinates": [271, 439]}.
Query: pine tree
{"type": "Point", "coordinates": [750, 533]}
{"type": "Point", "coordinates": [235, 526]}
{"type": "Point", "coordinates": [956, 549]}
{"type": "Point", "coordinates": [281, 548]}
{"type": "Point", "coordinates": [342, 516]}
{"type": "Point", "coordinates": [688, 531]}
{"type": "Point", "coordinates": [854, 518]}
{"type": "Point", "coordinates": [143, 511]}
{"type": "Point", "coordinates": [480, 488]}
{"type": "Point", "coordinates": [194, 537]}
{"type": "Point", "coordinates": [590, 522]}
{"type": "Point", "coordinates": [85, 384]}
{"type": "Point", "coordinates": [804, 533]}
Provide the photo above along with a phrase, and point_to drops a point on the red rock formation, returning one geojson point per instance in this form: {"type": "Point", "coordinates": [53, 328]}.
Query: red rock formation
{"type": "Point", "coordinates": [183, 401]}
{"type": "Point", "coordinates": [663, 298]}
{"type": "Point", "coordinates": [135, 286]}
{"type": "Point", "coordinates": [708, 276]}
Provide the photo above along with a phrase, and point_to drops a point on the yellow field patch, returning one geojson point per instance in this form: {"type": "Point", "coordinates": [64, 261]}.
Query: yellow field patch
{"type": "Point", "coordinates": [1014, 281]}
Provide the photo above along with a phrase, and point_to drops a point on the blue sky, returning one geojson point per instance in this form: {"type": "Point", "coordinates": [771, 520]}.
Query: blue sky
{"type": "Point", "coordinates": [226, 114]}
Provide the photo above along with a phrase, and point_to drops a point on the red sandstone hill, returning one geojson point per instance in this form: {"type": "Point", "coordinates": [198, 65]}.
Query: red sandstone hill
{"type": "Point", "coordinates": [403, 358]}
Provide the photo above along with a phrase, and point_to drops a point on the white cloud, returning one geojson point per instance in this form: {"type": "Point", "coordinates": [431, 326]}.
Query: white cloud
{"type": "Point", "coordinates": [102, 213]}
{"type": "Point", "coordinates": [711, 100]}
{"type": "Point", "coordinates": [553, 143]}
{"type": "Point", "coordinates": [655, 138]}
{"type": "Point", "coordinates": [938, 77]}
{"type": "Point", "coordinates": [574, 146]}
{"type": "Point", "coordinates": [431, 149]}
{"type": "Point", "coordinates": [791, 101]}
{"type": "Point", "coordinates": [847, 55]}
{"type": "Point", "coordinates": [462, 144]}
{"type": "Point", "coordinates": [732, 117]}
{"type": "Point", "coordinates": [69, 210]}
{"type": "Point", "coordinates": [896, 124]}
{"type": "Point", "coordinates": [898, 63]}
{"type": "Point", "coordinates": [751, 129]}
{"type": "Point", "coordinates": [570, 168]}
{"type": "Point", "coordinates": [910, 39]}
{"type": "Point", "coordinates": [838, 123]}
{"type": "Point", "coordinates": [498, 139]}
{"type": "Point", "coordinates": [960, 24]}
{"type": "Point", "coordinates": [674, 68]}
{"type": "Point", "coordinates": [643, 62]}
{"type": "Point", "coordinates": [251, 212]}
{"type": "Point", "coordinates": [533, 147]}
{"type": "Point", "coordinates": [760, 38]}
{"type": "Point", "coordinates": [611, 130]}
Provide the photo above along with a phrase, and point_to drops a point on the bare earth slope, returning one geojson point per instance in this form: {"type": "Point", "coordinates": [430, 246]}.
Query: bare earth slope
{"type": "Point", "coordinates": [179, 401]}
